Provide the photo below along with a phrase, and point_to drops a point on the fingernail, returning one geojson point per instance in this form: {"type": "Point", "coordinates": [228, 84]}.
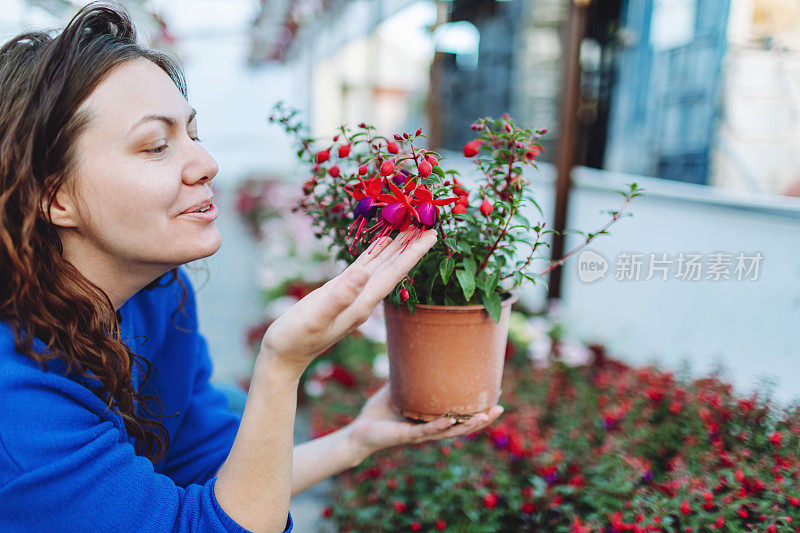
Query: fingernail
{"type": "Point", "coordinates": [453, 421]}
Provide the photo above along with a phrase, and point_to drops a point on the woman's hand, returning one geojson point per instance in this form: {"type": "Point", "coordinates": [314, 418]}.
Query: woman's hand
{"type": "Point", "coordinates": [378, 426]}
{"type": "Point", "coordinates": [337, 308]}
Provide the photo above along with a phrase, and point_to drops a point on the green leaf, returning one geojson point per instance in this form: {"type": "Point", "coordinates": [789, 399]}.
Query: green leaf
{"type": "Point", "coordinates": [429, 299]}
{"type": "Point", "coordinates": [467, 283]}
{"type": "Point", "coordinates": [450, 242]}
{"type": "Point", "coordinates": [491, 283]}
{"type": "Point", "coordinates": [446, 268]}
{"type": "Point", "coordinates": [437, 170]}
{"type": "Point", "coordinates": [493, 305]}
{"type": "Point", "coordinates": [469, 265]}
{"type": "Point", "coordinates": [464, 247]}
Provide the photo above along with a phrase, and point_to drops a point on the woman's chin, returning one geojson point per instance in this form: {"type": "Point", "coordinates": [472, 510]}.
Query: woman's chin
{"type": "Point", "coordinates": [205, 248]}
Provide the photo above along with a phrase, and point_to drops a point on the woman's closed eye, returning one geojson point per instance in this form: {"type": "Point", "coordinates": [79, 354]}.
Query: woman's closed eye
{"type": "Point", "coordinates": [160, 149]}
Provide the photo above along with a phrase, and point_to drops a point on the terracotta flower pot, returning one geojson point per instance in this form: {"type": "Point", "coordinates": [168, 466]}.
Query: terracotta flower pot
{"type": "Point", "coordinates": [445, 360]}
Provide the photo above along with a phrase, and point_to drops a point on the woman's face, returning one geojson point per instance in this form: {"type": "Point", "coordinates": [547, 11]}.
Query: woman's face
{"type": "Point", "coordinates": [139, 169]}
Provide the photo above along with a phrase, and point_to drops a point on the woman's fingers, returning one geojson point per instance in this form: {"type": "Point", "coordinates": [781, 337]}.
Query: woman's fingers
{"type": "Point", "coordinates": [395, 268]}
{"type": "Point", "coordinates": [372, 252]}
{"type": "Point", "coordinates": [340, 295]}
{"type": "Point", "coordinates": [443, 428]}
{"type": "Point", "coordinates": [381, 281]}
{"type": "Point", "coordinates": [393, 248]}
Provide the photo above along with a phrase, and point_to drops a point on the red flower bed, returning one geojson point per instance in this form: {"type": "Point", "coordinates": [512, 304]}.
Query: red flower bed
{"type": "Point", "coordinates": [604, 447]}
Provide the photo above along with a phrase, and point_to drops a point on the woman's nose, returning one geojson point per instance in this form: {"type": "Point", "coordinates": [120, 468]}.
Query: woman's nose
{"type": "Point", "coordinates": [202, 169]}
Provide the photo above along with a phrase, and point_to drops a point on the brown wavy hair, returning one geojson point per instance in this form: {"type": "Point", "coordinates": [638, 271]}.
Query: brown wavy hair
{"type": "Point", "coordinates": [44, 77]}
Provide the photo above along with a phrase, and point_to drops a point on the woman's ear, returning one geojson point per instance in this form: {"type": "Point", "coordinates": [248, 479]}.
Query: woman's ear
{"type": "Point", "coordinates": [63, 212]}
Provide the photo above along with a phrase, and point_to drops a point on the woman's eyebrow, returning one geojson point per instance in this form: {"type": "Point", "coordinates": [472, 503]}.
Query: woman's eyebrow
{"type": "Point", "coordinates": [169, 121]}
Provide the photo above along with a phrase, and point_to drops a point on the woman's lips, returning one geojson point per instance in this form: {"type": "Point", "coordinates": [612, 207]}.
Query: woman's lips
{"type": "Point", "coordinates": [207, 216]}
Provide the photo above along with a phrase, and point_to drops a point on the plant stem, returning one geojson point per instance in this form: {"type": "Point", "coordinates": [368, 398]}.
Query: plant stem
{"type": "Point", "coordinates": [613, 220]}
{"type": "Point", "coordinates": [496, 242]}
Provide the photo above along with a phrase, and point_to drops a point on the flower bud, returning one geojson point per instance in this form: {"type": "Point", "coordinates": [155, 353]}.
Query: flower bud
{"type": "Point", "coordinates": [387, 168]}
{"type": "Point", "coordinates": [344, 150]}
{"type": "Point", "coordinates": [392, 147]}
{"type": "Point", "coordinates": [424, 169]}
{"type": "Point", "coordinates": [472, 148]}
{"type": "Point", "coordinates": [323, 155]}
{"type": "Point", "coordinates": [486, 207]}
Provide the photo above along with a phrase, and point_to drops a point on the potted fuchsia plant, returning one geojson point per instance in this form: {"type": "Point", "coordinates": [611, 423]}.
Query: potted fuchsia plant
{"type": "Point", "coordinates": [446, 323]}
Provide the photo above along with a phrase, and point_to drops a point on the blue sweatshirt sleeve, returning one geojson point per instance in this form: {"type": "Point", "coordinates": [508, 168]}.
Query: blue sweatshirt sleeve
{"type": "Point", "coordinates": [204, 438]}
{"type": "Point", "coordinates": [64, 467]}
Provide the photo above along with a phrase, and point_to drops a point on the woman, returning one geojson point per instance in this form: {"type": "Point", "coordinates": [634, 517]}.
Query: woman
{"type": "Point", "coordinates": [104, 193]}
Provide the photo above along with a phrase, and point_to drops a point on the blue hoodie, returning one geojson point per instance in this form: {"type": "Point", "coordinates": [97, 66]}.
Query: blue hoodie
{"type": "Point", "coordinates": [68, 464]}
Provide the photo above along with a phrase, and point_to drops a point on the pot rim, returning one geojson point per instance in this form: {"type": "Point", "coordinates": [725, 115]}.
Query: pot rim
{"type": "Point", "coordinates": [456, 308]}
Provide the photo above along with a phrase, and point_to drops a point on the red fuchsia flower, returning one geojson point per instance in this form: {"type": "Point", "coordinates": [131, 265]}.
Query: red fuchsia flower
{"type": "Point", "coordinates": [794, 501]}
{"type": "Point", "coordinates": [327, 511]}
{"type": "Point", "coordinates": [533, 151]}
{"type": "Point", "coordinates": [397, 214]}
{"type": "Point", "coordinates": [428, 208]}
{"type": "Point", "coordinates": [685, 507]}
{"type": "Point", "coordinates": [341, 375]}
{"type": "Point", "coordinates": [458, 188]}
{"type": "Point", "coordinates": [578, 527]}
{"type": "Point", "coordinates": [441, 525]}
{"type": "Point", "coordinates": [486, 207]}
{"type": "Point", "coordinates": [367, 195]}
{"type": "Point", "coordinates": [387, 168]}
{"type": "Point", "coordinates": [459, 208]}
{"type": "Point", "coordinates": [415, 526]}
{"type": "Point", "coordinates": [344, 150]}
{"type": "Point", "coordinates": [655, 394]}
{"type": "Point", "coordinates": [404, 294]}
{"type": "Point", "coordinates": [430, 158]}
{"type": "Point", "coordinates": [675, 407]}
{"type": "Point", "coordinates": [528, 508]}
{"type": "Point", "coordinates": [490, 501]}
{"type": "Point", "coordinates": [776, 439]}
{"type": "Point", "coordinates": [323, 155]}
{"type": "Point", "coordinates": [308, 186]}
{"type": "Point", "coordinates": [392, 147]}
{"type": "Point", "coordinates": [472, 148]}
{"type": "Point", "coordinates": [401, 177]}
{"type": "Point", "coordinates": [399, 507]}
